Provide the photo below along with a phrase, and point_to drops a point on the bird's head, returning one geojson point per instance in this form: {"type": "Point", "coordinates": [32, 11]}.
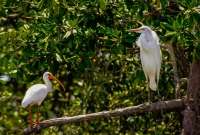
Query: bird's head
{"type": "Point", "coordinates": [141, 29]}
{"type": "Point", "coordinates": [147, 39]}
{"type": "Point", "coordinates": [50, 77]}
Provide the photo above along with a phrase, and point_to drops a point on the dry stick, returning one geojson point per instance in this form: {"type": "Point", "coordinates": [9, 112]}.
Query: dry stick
{"type": "Point", "coordinates": [142, 108]}
{"type": "Point", "coordinates": [174, 65]}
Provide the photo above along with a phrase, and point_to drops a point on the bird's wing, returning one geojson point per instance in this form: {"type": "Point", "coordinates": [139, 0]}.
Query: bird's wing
{"type": "Point", "coordinates": [143, 61]}
{"type": "Point", "coordinates": [157, 61]}
{"type": "Point", "coordinates": [156, 38]}
{"type": "Point", "coordinates": [158, 55]}
{"type": "Point", "coordinates": [138, 42]}
{"type": "Point", "coordinates": [35, 95]}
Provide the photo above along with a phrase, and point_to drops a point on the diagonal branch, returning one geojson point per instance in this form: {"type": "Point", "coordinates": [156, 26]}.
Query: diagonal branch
{"type": "Point", "coordinates": [142, 108]}
{"type": "Point", "coordinates": [175, 69]}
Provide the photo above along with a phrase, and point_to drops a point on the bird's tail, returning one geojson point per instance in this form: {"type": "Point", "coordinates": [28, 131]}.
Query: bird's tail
{"type": "Point", "coordinates": [152, 83]}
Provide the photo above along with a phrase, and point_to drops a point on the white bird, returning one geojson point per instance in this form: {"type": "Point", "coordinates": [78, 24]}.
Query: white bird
{"type": "Point", "coordinates": [37, 93]}
{"type": "Point", "coordinates": [150, 54]}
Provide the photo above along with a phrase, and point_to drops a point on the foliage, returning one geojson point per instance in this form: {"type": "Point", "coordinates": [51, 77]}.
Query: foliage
{"type": "Point", "coordinates": [87, 46]}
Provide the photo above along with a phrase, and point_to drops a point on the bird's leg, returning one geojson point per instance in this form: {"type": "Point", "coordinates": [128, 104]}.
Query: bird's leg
{"type": "Point", "coordinates": [149, 92]}
{"type": "Point", "coordinates": [38, 116]}
{"type": "Point", "coordinates": [149, 95]}
{"type": "Point", "coordinates": [148, 89]}
{"type": "Point", "coordinates": [30, 117]}
{"type": "Point", "coordinates": [159, 96]}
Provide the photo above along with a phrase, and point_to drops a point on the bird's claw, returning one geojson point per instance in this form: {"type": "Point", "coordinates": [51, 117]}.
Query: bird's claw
{"type": "Point", "coordinates": [36, 127]}
{"type": "Point", "coordinates": [36, 124]}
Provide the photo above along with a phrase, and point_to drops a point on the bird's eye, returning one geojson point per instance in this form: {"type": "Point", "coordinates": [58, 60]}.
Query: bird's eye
{"type": "Point", "coordinates": [50, 77]}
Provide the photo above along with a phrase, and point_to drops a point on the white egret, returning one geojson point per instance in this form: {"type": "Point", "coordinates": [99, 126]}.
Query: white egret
{"type": "Point", "coordinates": [37, 93]}
{"type": "Point", "coordinates": [150, 54]}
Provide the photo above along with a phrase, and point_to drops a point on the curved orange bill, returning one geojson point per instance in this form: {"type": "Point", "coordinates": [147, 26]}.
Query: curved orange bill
{"type": "Point", "coordinates": [53, 77]}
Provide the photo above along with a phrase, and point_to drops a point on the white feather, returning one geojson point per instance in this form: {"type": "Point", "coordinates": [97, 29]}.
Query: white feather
{"type": "Point", "coordinates": [150, 55]}
{"type": "Point", "coordinates": [35, 95]}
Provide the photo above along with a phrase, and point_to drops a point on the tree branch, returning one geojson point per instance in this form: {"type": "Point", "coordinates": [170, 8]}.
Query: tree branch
{"type": "Point", "coordinates": [175, 69]}
{"type": "Point", "coordinates": [142, 108]}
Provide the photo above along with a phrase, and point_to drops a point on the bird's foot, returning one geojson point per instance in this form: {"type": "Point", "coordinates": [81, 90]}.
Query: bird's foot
{"type": "Point", "coordinates": [149, 99]}
{"type": "Point", "coordinates": [33, 124]}
{"type": "Point", "coordinates": [149, 102]}
{"type": "Point", "coordinates": [37, 122]}
{"type": "Point", "coordinates": [36, 125]}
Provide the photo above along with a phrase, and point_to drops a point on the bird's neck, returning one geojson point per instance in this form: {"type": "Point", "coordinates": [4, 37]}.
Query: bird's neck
{"type": "Point", "coordinates": [148, 36]}
{"type": "Point", "coordinates": [48, 84]}
{"type": "Point", "coordinates": [146, 40]}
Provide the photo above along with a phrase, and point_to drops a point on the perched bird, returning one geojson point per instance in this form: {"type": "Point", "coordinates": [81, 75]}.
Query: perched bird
{"type": "Point", "coordinates": [150, 54]}
{"type": "Point", "coordinates": [37, 93]}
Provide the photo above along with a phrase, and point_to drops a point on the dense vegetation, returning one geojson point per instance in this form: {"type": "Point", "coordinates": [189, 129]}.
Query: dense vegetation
{"type": "Point", "coordinates": [85, 43]}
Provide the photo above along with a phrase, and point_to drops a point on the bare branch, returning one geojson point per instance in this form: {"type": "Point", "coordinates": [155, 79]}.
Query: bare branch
{"type": "Point", "coordinates": [142, 108]}
{"type": "Point", "coordinates": [174, 65]}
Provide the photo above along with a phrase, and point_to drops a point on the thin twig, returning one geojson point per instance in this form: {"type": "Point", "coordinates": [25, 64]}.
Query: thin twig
{"type": "Point", "coordinates": [174, 65]}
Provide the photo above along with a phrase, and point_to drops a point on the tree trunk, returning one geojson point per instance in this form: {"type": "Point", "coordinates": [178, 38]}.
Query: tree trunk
{"type": "Point", "coordinates": [191, 121]}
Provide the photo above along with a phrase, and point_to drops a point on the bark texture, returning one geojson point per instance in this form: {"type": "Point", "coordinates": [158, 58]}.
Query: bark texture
{"type": "Point", "coordinates": [191, 122]}
{"type": "Point", "coordinates": [170, 105]}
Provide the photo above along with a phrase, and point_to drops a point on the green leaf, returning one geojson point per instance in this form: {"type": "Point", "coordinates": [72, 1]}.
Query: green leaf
{"type": "Point", "coordinates": [167, 26]}
{"type": "Point", "coordinates": [170, 34]}
{"type": "Point", "coordinates": [58, 58]}
{"type": "Point", "coordinates": [102, 4]}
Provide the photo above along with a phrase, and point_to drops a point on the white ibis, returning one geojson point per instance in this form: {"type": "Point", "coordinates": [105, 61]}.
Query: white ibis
{"type": "Point", "coordinates": [150, 54]}
{"type": "Point", "coordinates": [37, 93]}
